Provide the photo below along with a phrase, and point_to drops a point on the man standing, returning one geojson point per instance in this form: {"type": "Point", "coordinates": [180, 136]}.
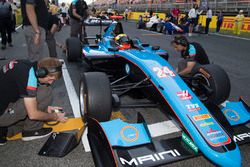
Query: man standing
{"type": "Point", "coordinates": [239, 21]}
{"type": "Point", "coordinates": [78, 13]}
{"type": "Point", "coordinates": [5, 23]}
{"type": "Point", "coordinates": [35, 22]}
{"type": "Point", "coordinates": [193, 55]}
{"type": "Point", "coordinates": [26, 95]}
{"type": "Point", "coordinates": [219, 21]}
{"type": "Point", "coordinates": [208, 19]}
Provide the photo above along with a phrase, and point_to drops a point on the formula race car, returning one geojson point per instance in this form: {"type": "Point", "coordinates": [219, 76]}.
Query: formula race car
{"type": "Point", "coordinates": [194, 103]}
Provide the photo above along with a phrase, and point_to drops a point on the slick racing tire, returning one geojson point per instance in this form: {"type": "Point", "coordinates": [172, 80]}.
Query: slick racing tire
{"type": "Point", "coordinates": [95, 96]}
{"type": "Point", "coordinates": [215, 81]}
{"type": "Point", "coordinates": [74, 49]}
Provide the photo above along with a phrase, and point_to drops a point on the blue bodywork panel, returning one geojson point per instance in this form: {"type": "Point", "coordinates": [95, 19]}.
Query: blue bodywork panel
{"type": "Point", "coordinates": [201, 126]}
{"type": "Point", "coordinates": [124, 134]}
{"type": "Point", "coordinates": [236, 113]}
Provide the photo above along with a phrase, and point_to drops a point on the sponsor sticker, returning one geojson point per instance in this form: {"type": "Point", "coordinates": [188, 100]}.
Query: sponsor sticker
{"type": "Point", "coordinates": [206, 124]}
{"type": "Point", "coordinates": [193, 107]}
{"type": "Point", "coordinates": [129, 133]}
{"type": "Point", "coordinates": [163, 72]}
{"type": "Point", "coordinates": [201, 117]}
{"type": "Point", "coordinates": [231, 114]}
{"type": "Point", "coordinates": [184, 95]}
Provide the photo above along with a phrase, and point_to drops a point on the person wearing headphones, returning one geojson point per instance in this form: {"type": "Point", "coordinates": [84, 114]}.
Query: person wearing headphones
{"type": "Point", "coordinates": [123, 42]}
{"type": "Point", "coordinates": [26, 95]}
{"type": "Point", "coordinates": [193, 55]}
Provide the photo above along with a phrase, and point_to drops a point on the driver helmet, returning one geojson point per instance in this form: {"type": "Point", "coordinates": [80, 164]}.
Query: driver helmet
{"type": "Point", "coordinates": [123, 41]}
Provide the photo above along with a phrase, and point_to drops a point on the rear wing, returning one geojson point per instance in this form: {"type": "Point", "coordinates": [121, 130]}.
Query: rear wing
{"type": "Point", "coordinates": [93, 21]}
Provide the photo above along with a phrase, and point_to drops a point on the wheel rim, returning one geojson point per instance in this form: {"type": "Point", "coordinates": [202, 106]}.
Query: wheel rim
{"type": "Point", "coordinates": [200, 79]}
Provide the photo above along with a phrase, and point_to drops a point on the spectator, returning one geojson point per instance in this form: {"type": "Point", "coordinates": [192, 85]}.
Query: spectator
{"type": "Point", "coordinates": [208, 19]}
{"type": "Point", "coordinates": [126, 13]}
{"type": "Point", "coordinates": [93, 10]}
{"type": "Point", "coordinates": [26, 95]}
{"type": "Point", "coordinates": [64, 13]}
{"type": "Point", "coordinates": [35, 23]}
{"type": "Point", "coordinates": [239, 21]}
{"type": "Point", "coordinates": [219, 21]}
{"type": "Point", "coordinates": [78, 13]}
{"type": "Point", "coordinates": [5, 23]}
{"type": "Point", "coordinates": [193, 18]}
{"type": "Point", "coordinates": [192, 55]}
{"type": "Point", "coordinates": [53, 8]}
{"type": "Point", "coordinates": [13, 17]}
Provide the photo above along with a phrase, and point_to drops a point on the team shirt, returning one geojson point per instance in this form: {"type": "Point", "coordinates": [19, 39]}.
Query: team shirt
{"type": "Point", "coordinates": [195, 52]}
{"type": "Point", "coordinates": [18, 80]}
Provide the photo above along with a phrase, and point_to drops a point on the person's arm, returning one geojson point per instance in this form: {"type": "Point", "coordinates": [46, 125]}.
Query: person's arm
{"type": "Point", "coordinates": [35, 114]}
{"type": "Point", "coordinates": [76, 15]}
{"type": "Point", "coordinates": [188, 69]}
{"type": "Point", "coordinates": [30, 11]}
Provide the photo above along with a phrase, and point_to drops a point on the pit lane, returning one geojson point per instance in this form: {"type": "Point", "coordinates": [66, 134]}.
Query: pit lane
{"type": "Point", "coordinates": [232, 54]}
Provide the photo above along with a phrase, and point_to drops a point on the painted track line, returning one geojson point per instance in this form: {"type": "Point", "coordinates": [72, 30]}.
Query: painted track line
{"type": "Point", "coordinates": [230, 36]}
{"type": "Point", "coordinates": [74, 101]}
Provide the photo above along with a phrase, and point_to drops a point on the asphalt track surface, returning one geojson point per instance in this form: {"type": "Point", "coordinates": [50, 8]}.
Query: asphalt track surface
{"type": "Point", "coordinates": [231, 54]}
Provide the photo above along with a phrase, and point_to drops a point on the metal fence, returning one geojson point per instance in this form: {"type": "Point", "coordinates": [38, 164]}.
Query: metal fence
{"type": "Point", "coordinates": [234, 6]}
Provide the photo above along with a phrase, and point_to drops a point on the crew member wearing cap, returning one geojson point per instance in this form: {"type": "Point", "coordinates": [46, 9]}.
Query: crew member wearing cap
{"type": "Point", "coordinates": [239, 22]}
{"type": "Point", "coordinates": [26, 95]}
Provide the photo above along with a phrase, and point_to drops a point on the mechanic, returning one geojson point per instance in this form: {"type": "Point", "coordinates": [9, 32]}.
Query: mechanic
{"type": "Point", "coordinates": [123, 42]}
{"type": "Point", "coordinates": [78, 12]}
{"type": "Point", "coordinates": [26, 95]}
{"type": "Point", "coordinates": [193, 55]}
{"type": "Point", "coordinates": [35, 23]}
{"type": "Point", "coordinates": [55, 25]}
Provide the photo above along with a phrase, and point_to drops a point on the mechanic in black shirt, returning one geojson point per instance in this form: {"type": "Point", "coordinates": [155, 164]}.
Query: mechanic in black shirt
{"type": "Point", "coordinates": [78, 12]}
{"type": "Point", "coordinates": [35, 22]}
{"type": "Point", "coordinates": [25, 96]}
{"type": "Point", "coordinates": [192, 53]}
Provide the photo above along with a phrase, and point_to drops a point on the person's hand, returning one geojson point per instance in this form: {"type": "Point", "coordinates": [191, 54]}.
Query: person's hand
{"type": "Point", "coordinates": [37, 38]}
{"type": "Point", "coordinates": [52, 109]}
{"type": "Point", "coordinates": [61, 117]}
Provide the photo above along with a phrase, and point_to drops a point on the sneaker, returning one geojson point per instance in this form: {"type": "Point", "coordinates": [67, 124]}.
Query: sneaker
{"type": "Point", "coordinates": [10, 45]}
{"type": "Point", "coordinates": [3, 135]}
{"type": "Point", "coordinates": [36, 134]}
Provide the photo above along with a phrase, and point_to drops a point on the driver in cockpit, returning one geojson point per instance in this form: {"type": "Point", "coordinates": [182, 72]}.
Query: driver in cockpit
{"type": "Point", "coordinates": [123, 41]}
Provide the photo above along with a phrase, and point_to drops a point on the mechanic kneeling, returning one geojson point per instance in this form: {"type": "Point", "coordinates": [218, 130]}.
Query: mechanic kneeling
{"type": "Point", "coordinates": [192, 53]}
{"type": "Point", "coordinates": [25, 96]}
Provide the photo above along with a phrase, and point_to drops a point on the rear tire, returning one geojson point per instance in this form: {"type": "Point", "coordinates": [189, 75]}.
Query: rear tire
{"type": "Point", "coordinates": [74, 49]}
{"type": "Point", "coordinates": [95, 96]}
{"type": "Point", "coordinates": [216, 79]}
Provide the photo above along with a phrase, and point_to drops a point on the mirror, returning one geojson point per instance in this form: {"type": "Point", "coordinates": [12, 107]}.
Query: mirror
{"type": "Point", "coordinates": [113, 49]}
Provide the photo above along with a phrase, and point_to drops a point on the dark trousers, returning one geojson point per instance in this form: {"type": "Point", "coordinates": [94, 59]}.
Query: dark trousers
{"type": "Point", "coordinates": [208, 20]}
{"type": "Point", "coordinates": [51, 42]}
{"type": "Point", "coordinates": [219, 23]}
{"type": "Point", "coordinates": [13, 23]}
{"type": "Point", "coordinates": [15, 116]}
{"type": "Point", "coordinates": [5, 29]}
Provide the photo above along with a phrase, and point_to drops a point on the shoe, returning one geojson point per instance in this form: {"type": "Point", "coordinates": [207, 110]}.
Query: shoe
{"type": "Point", "coordinates": [3, 47]}
{"type": "Point", "coordinates": [10, 45]}
{"type": "Point", "coordinates": [36, 134]}
{"type": "Point", "coordinates": [3, 135]}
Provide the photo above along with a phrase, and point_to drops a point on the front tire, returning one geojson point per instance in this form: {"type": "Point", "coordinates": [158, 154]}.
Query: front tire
{"type": "Point", "coordinates": [74, 49]}
{"type": "Point", "coordinates": [95, 96]}
{"type": "Point", "coordinates": [216, 79]}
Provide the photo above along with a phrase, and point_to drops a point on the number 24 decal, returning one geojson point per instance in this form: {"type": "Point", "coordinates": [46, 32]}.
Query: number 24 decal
{"type": "Point", "coordinates": [163, 72]}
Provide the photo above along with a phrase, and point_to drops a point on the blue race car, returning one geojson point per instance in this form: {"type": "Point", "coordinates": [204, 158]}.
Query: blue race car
{"type": "Point", "coordinates": [194, 103]}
